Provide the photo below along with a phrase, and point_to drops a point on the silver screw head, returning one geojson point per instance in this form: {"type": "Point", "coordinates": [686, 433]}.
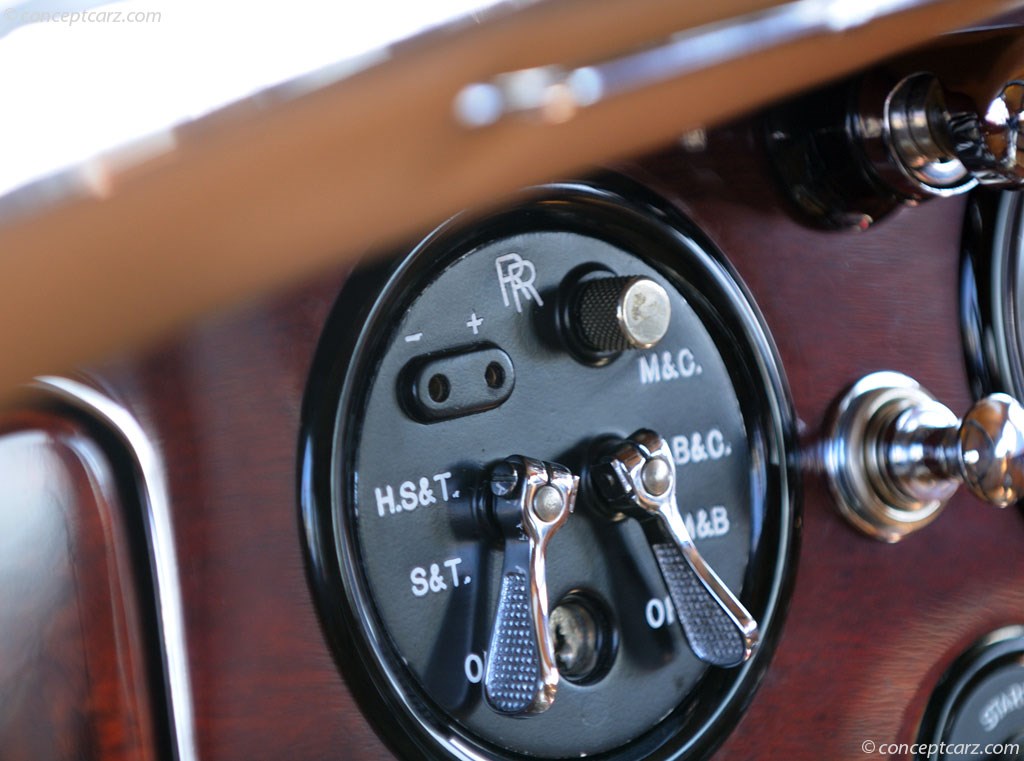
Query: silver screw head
{"type": "Point", "coordinates": [645, 312]}
{"type": "Point", "coordinates": [504, 479]}
{"type": "Point", "coordinates": [656, 476]}
{"type": "Point", "coordinates": [548, 503]}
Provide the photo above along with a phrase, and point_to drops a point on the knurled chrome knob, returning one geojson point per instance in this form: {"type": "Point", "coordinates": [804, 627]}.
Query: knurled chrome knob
{"type": "Point", "coordinates": [611, 314]}
{"type": "Point", "coordinates": [896, 455]}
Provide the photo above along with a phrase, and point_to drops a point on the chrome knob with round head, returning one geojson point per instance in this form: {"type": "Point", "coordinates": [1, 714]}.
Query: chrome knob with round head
{"type": "Point", "coordinates": [895, 455]}
{"type": "Point", "coordinates": [990, 144]}
{"type": "Point", "coordinates": [991, 453]}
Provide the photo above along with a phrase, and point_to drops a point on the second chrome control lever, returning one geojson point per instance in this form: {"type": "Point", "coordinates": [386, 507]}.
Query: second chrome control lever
{"type": "Point", "coordinates": [639, 478]}
{"type": "Point", "coordinates": [529, 501]}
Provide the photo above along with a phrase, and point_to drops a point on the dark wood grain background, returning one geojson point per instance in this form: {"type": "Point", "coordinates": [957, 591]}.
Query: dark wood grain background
{"type": "Point", "coordinates": [870, 628]}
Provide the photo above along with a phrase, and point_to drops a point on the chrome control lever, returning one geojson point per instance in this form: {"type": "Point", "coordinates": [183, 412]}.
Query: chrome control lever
{"type": "Point", "coordinates": [895, 455]}
{"type": "Point", "coordinates": [530, 501]}
{"type": "Point", "coordinates": [639, 477]}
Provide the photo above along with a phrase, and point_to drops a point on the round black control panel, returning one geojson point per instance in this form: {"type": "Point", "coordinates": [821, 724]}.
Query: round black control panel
{"type": "Point", "coordinates": [977, 710]}
{"type": "Point", "coordinates": [493, 583]}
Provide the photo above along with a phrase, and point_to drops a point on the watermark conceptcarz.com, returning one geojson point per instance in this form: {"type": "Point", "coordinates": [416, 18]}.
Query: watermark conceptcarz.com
{"type": "Point", "coordinates": [27, 16]}
{"type": "Point", "coordinates": [928, 750]}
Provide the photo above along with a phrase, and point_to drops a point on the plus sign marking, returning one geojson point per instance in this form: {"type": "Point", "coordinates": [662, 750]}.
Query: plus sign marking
{"type": "Point", "coordinates": [475, 323]}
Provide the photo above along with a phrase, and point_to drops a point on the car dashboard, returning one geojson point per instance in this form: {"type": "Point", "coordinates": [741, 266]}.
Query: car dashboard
{"type": "Point", "coordinates": [705, 450]}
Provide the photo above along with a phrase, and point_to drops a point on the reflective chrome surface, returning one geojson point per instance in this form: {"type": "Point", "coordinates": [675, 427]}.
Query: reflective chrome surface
{"type": "Point", "coordinates": [641, 472]}
{"type": "Point", "coordinates": [895, 455]}
{"type": "Point", "coordinates": [532, 501]}
{"type": "Point", "coordinates": [990, 144]}
{"type": "Point", "coordinates": [946, 150]}
{"type": "Point", "coordinates": [859, 480]}
{"type": "Point", "coordinates": [991, 453]}
{"type": "Point", "coordinates": [644, 312]}
{"type": "Point", "coordinates": [912, 111]}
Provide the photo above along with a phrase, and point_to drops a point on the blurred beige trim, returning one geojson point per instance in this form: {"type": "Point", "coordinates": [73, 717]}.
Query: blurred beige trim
{"type": "Point", "coordinates": [246, 205]}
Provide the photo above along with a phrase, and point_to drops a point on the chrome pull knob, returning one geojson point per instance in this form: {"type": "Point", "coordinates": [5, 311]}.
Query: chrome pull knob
{"type": "Point", "coordinates": [945, 143]}
{"type": "Point", "coordinates": [639, 478]}
{"type": "Point", "coordinates": [991, 453]}
{"type": "Point", "coordinates": [877, 145]}
{"type": "Point", "coordinates": [990, 144]}
{"type": "Point", "coordinates": [530, 501]}
{"type": "Point", "coordinates": [610, 314]}
{"type": "Point", "coordinates": [895, 455]}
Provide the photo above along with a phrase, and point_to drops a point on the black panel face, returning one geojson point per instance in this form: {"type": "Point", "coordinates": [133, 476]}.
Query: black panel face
{"type": "Point", "coordinates": [469, 357]}
{"type": "Point", "coordinates": [435, 580]}
{"type": "Point", "coordinates": [977, 709]}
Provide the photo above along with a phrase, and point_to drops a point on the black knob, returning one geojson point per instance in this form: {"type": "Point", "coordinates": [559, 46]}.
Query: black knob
{"type": "Point", "coordinates": [616, 313]}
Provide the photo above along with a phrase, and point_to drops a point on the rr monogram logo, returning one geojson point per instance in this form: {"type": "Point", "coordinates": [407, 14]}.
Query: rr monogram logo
{"type": "Point", "coordinates": [516, 276]}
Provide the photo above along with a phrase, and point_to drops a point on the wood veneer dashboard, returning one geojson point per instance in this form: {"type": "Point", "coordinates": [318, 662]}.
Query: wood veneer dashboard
{"type": "Point", "coordinates": [870, 627]}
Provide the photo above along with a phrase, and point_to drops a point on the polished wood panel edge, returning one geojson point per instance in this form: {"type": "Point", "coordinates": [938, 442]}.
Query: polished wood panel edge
{"type": "Point", "coordinates": [74, 678]}
{"type": "Point", "coordinates": [245, 205]}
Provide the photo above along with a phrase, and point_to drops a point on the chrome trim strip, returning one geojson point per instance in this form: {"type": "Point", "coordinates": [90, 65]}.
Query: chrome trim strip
{"type": "Point", "coordinates": [555, 93]}
{"type": "Point", "coordinates": [162, 553]}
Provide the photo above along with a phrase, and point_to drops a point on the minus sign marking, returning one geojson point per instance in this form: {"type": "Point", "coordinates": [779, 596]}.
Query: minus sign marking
{"type": "Point", "coordinates": [413, 338]}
